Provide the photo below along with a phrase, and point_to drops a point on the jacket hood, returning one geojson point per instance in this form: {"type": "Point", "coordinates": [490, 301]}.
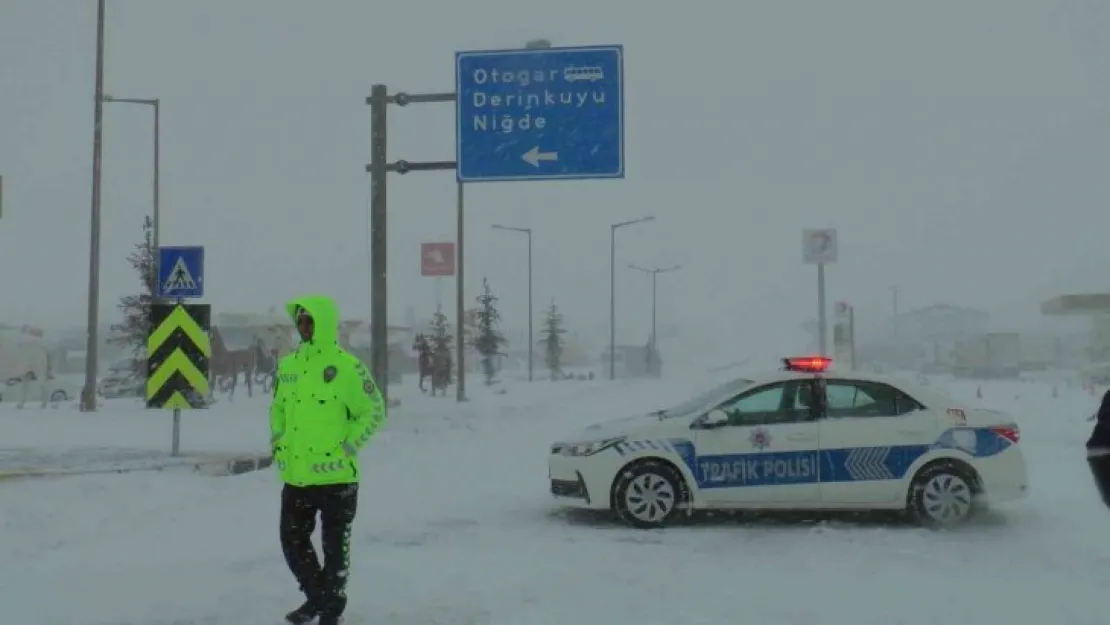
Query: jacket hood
{"type": "Point", "coordinates": [325, 316]}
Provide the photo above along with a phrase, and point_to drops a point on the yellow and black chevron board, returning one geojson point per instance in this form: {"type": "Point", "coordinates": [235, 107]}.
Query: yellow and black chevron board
{"type": "Point", "coordinates": [178, 350]}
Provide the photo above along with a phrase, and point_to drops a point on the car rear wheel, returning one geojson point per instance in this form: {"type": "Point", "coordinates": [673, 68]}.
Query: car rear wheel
{"type": "Point", "coordinates": [942, 496]}
{"type": "Point", "coordinates": [646, 495]}
{"type": "Point", "coordinates": [58, 395]}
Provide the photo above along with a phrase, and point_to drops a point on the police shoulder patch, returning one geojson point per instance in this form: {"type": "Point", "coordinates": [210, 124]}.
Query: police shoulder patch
{"type": "Point", "coordinates": [329, 373]}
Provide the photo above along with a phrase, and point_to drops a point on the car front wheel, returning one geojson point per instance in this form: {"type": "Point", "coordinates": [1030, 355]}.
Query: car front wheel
{"type": "Point", "coordinates": [58, 396]}
{"type": "Point", "coordinates": [646, 495]}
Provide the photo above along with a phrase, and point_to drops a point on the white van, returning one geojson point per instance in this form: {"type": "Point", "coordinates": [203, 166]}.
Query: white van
{"type": "Point", "coordinates": [25, 372]}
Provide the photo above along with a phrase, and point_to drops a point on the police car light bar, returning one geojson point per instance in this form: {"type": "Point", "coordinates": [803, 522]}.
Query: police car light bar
{"type": "Point", "coordinates": [807, 364]}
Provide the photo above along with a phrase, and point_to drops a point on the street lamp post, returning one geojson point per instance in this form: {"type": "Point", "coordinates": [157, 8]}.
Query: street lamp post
{"type": "Point", "coordinates": [613, 290]}
{"type": "Point", "coordinates": [531, 345]}
{"type": "Point", "coordinates": [654, 277]}
{"type": "Point", "coordinates": [156, 104]}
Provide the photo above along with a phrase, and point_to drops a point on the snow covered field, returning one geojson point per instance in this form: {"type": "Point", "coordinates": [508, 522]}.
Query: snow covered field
{"type": "Point", "coordinates": [456, 527]}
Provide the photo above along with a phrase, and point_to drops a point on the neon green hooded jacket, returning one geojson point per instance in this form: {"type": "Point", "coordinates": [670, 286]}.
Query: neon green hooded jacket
{"type": "Point", "coordinates": [326, 406]}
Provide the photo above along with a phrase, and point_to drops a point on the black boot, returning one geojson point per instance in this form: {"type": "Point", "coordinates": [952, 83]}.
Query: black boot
{"type": "Point", "coordinates": [303, 614]}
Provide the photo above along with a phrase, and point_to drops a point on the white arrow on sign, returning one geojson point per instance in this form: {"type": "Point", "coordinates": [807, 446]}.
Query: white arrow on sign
{"type": "Point", "coordinates": [534, 156]}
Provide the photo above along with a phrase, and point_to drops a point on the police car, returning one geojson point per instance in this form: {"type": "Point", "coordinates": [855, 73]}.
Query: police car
{"type": "Point", "coordinates": [803, 438]}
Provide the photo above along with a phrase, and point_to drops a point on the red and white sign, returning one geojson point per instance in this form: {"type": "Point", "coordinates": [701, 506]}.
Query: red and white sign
{"type": "Point", "coordinates": [437, 259]}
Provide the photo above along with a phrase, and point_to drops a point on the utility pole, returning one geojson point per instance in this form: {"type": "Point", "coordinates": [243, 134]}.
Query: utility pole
{"type": "Point", "coordinates": [531, 342]}
{"type": "Point", "coordinates": [88, 393]}
{"type": "Point", "coordinates": [378, 168]}
{"type": "Point", "coordinates": [613, 289]}
{"type": "Point", "coordinates": [654, 279]}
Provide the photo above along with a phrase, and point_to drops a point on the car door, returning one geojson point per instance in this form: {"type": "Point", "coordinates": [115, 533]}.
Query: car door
{"type": "Point", "coordinates": [766, 453]}
{"type": "Point", "coordinates": [870, 434]}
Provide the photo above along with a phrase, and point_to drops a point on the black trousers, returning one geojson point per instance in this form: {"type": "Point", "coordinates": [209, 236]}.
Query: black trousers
{"type": "Point", "coordinates": [1100, 470]}
{"type": "Point", "coordinates": [325, 585]}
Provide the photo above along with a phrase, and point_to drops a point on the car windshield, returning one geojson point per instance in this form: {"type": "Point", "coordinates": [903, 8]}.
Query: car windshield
{"type": "Point", "coordinates": [699, 401]}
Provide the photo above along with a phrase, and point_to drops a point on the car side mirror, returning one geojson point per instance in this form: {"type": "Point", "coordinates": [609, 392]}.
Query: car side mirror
{"type": "Point", "coordinates": [713, 420]}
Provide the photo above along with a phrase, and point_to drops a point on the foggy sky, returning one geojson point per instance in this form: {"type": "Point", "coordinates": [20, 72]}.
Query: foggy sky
{"type": "Point", "coordinates": [960, 149]}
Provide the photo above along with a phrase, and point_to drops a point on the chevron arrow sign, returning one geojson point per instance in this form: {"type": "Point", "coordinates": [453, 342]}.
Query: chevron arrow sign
{"type": "Point", "coordinates": [868, 463]}
{"type": "Point", "coordinates": [178, 351]}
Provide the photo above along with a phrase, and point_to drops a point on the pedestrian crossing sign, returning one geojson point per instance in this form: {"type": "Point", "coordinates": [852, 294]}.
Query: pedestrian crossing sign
{"type": "Point", "coordinates": [181, 272]}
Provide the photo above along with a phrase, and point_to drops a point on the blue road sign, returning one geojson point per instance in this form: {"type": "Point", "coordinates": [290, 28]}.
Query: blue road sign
{"type": "Point", "coordinates": [181, 272]}
{"type": "Point", "coordinates": [542, 114]}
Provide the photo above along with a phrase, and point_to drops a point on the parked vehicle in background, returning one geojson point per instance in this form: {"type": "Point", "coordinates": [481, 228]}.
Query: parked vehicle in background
{"type": "Point", "coordinates": [120, 381]}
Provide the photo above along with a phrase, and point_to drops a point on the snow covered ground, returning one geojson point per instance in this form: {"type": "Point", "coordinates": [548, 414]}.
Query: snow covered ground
{"type": "Point", "coordinates": [455, 527]}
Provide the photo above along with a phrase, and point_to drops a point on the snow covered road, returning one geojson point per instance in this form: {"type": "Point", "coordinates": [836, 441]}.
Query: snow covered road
{"type": "Point", "coordinates": [456, 527]}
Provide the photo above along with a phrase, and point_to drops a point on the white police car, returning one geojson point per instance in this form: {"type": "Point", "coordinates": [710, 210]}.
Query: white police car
{"type": "Point", "coordinates": [802, 438]}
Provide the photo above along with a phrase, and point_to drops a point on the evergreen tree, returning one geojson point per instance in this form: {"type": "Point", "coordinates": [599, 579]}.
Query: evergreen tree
{"type": "Point", "coordinates": [553, 342]}
{"type": "Point", "coordinates": [441, 338]}
{"type": "Point", "coordinates": [488, 340]}
{"type": "Point", "coordinates": [133, 329]}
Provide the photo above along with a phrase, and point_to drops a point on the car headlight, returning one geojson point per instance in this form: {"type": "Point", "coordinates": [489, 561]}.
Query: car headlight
{"type": "Point", "coordinates": [586, 448]}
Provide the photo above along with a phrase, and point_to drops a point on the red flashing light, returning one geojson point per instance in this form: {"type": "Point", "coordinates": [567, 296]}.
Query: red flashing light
{"type": "Point", "coordinates": [808, 364]}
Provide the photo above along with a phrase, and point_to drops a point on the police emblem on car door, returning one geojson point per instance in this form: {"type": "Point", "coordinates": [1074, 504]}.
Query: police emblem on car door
{"type": "Point", "coordinates": [767, 453]}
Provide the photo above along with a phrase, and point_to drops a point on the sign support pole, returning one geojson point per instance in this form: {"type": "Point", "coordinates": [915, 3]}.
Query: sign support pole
{"type": "Point", "coordinates": [378, 168]}
{"type": "Point", "coordinates": [819, 247]}
{"type": "Point", "coordinates": [175, 439]}
{"type": "Point", "coordinates": [822, 322]}
{"type": "Point", "coordinates": [852, 334]}
{"type": "Point", "coordinates": [460, 298]}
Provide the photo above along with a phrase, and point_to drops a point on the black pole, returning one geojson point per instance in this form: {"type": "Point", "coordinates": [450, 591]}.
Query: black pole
{"type": "Point", "coordinates": [379, 307]}
{"type": "Point", "coordinates": [460, 294]}
{"type": "Point", "coordinates": [531, 343]}
{"type": "Point", "coordinates": [612, 302]}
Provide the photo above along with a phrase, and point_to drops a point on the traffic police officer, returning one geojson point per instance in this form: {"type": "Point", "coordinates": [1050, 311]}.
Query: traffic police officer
{"type": "Point", "coordinates": [326, 407]}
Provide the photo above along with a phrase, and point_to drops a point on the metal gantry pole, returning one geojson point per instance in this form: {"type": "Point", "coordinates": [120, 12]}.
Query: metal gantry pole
{"type": "Point", "coordinates": [531, 346]}
{"type": "Point", "coordinates": [613, 302]}
{"type": "Point", "coordinates": [88, 399]}
{"type": "Point", "coordinates": [378, 168]}
{"type": "Point", "coordinates": [613, 290]}
{"type": "Point", "coordinates": [531, 315]}
{"type": "Point", "coordinates": [379, 330]}
{"type": "Point", "coordinates": [460, 295]}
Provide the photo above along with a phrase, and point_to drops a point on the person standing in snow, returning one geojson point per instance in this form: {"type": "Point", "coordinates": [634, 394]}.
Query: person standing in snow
{"type": "Point", "coordinates": [1098, 449]}
{"type": "Point", "coordinates": [326, 407]}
